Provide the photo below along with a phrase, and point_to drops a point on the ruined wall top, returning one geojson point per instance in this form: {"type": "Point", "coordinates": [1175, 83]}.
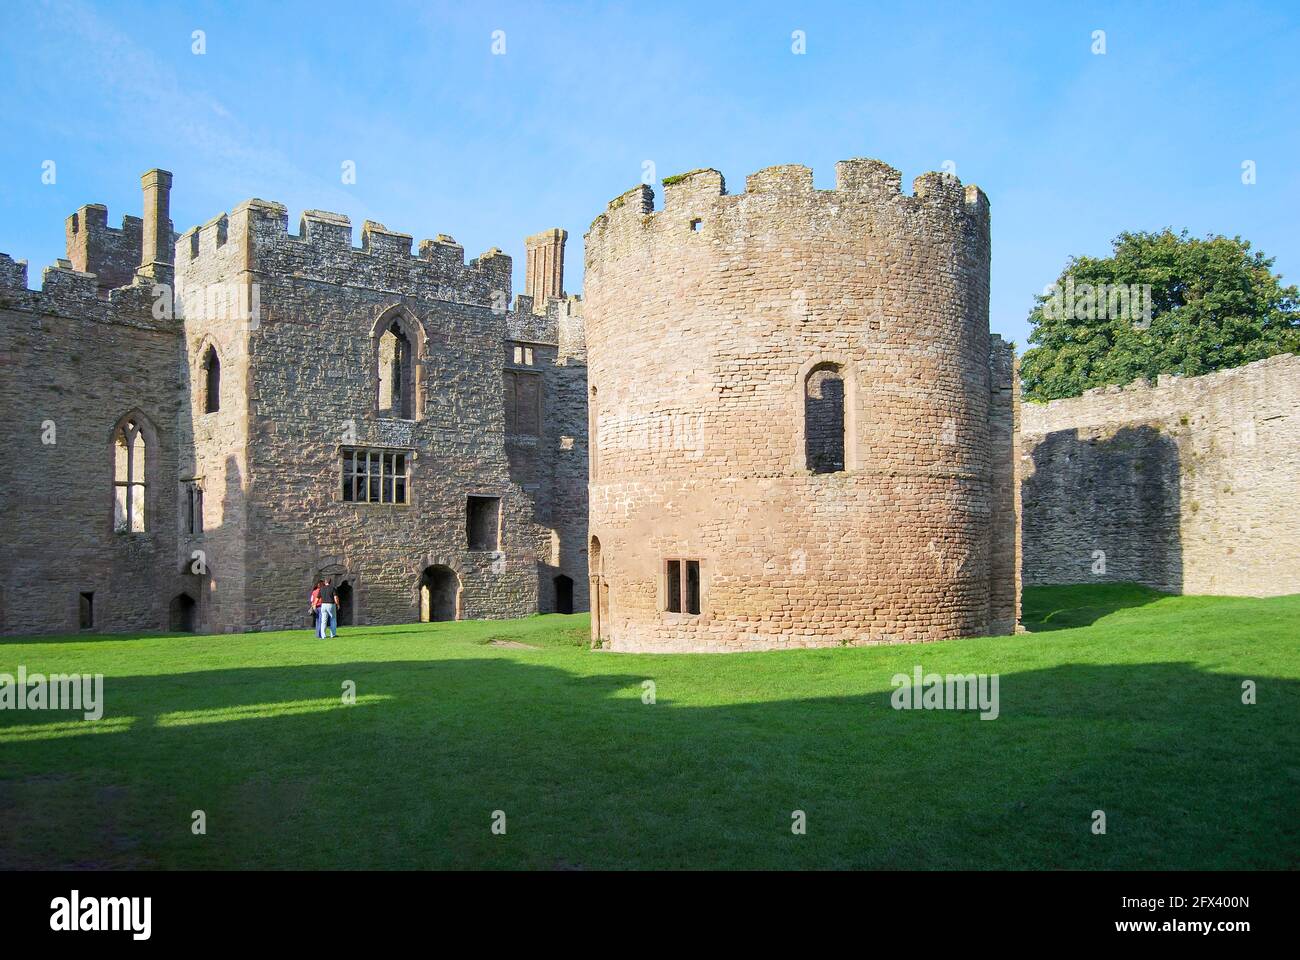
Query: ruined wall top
{"type": "Point", "coordinates": [560, 325]}
{"type": "Point", "coordinates": [1142, 400]}
{"type": "Point", "coordinates": [322, 250]}
{"type": "Point", "coordinates": [68, 292]}
{"type": "Point", "coordinates": [111, 253]}
{"type": "Point", "coordinates": [939, 205]}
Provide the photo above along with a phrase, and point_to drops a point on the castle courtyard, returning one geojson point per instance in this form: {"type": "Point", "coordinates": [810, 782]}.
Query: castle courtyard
{"type": "Point", "coordinates": [1118, 697]}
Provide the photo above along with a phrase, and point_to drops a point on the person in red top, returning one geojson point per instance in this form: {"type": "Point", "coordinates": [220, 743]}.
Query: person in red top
{"type": "Point", "coordinates": [329, 610]}
{"type": "Point", "coordinates": [315, 607]}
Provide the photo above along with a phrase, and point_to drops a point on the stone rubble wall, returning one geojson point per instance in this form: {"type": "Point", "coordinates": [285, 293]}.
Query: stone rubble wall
{"type": "Point", "coordinates": [702, 321]}
{"type": "Point", "coordinates": [1187, 485]}
{"type": "Point", "coordinates": [298, 384]}
{"type": "Point", "coordinates": [79, 361]}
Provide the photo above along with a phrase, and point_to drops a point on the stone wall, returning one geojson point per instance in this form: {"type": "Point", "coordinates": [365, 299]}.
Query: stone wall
{"type": "Point", "coordinates": [1004, 433]}
{"type": "Point", "coordinates": [551, 466]}
{"type": "Point", "coordinates": [310, 365]}
{"type": "Point", "coordinates": [294, 323]}
{"type": "Point", "coordinates": [73, 364]}
{"type": "Point", "coordinates": [111, 253]}
{"type": "Point", "coordinates": [704, 322]}
{"type": "Point", "coordinates": [1188, 485]}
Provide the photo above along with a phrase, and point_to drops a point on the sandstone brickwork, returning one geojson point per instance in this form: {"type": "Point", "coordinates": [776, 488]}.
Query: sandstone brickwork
{"type": "Point", "coordinates": [720, 331]}
{"type": "Point", "coordinates": [77, 359]}
{"type": "Point", "coordinates": [272, 364]}
{"type": "Point", "coordinates": [1187, 485]}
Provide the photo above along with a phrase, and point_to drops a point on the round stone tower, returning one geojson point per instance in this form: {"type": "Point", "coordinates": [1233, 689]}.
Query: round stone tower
{"type": "Point", "coordinates": [790, 414]}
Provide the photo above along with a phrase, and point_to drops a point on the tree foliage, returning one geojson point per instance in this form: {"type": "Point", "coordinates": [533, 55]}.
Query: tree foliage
{"type": "Point", "coordinates": [1212, 304]}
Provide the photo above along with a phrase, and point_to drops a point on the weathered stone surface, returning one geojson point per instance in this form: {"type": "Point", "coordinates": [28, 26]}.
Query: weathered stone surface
{"type": "Point", "coordinates": [298, 387]}
{"type": "Point", "coordinates": [704, 322]}
{"type": "Point", "coordinates": [1187, 485]}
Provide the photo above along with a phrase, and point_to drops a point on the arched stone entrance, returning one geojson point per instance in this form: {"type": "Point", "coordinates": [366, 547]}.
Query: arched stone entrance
{"type": "Point", "coordinates": [348, 585]}
{"type": "Point", "coordinates": [182, 613]}
{"type": "Point", "coordinates": [439, 594]}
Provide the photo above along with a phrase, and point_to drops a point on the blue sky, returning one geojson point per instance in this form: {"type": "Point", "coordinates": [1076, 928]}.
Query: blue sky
{"type": "Point", "coordinates": [1072, 147]}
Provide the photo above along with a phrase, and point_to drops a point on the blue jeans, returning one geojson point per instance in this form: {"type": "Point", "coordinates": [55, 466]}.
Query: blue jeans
{"type": "Point", "coordinates": [328, 620]}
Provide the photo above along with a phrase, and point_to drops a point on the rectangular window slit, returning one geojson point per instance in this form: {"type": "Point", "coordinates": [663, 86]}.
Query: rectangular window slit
{"type": "Point", "coordinates": [674, 574]}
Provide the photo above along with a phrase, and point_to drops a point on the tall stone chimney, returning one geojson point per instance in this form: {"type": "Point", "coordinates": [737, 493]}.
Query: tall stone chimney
{"type": "Point", "coordinates": [544, 277]}
{"type": "Point", "coordinates": [157, 251]}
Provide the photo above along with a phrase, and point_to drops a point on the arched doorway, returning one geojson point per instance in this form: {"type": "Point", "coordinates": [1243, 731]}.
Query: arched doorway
{"type": "Point", "coordinates": [182, 613]}
{"type": "Point", "coordinates": [599, 594]}
{"type": "Point", "coordinates": [348, 585]}
{"type": "Point", "coordinates": [563, 594]}
{"type": "Point", "coordinates": [439, 594]}
{"type": "Point", "coordinates": [344, 590]}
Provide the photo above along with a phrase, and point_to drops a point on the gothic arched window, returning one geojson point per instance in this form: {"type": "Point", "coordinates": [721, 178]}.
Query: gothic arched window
{"type": "Point", "coordinates": [128, 478]}
{"type": "Point", "coordinates": [824, 419]}
{"type": "Point", "coordinates": [396, 380]}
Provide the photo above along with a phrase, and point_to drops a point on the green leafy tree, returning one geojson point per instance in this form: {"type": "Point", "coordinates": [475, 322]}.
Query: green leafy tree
{"type": "Point", "coordinates": [1161, 303]}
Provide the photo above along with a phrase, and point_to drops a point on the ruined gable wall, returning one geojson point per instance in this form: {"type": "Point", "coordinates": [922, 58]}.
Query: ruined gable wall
{"type": "Point", "coordinates": [81, 361]}
{"type": "Point", "coordinates": [1188, 485]}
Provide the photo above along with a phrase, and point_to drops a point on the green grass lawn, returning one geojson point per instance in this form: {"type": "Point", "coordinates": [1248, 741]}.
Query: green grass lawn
{"type": "Point", "coordinates": [1119, 699]}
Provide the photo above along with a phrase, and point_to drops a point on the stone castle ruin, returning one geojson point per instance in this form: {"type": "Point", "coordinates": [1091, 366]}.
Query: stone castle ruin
{"type": "Point", "coordinates": [801, 427]}
{"type": "Point", "coordinates": [777, 419]}
{"type": "Point", "coordinates": [202, 425]}
{"type": "Point", "coordinates": [1187, 485]}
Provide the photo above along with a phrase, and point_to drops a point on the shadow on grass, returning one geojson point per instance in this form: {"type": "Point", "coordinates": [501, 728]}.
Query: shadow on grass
{"type": "Point", "coordinates": [1080, 605]}
{"type": "Point", "coordinates": [590, 776]}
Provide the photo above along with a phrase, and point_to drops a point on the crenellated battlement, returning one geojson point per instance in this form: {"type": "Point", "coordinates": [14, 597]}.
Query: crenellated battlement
{"type": "Point", "coordinates": [323, 250]}
{"type": "Point", "coordinates": [560, 323]}
{"type": "Point", "coordinates": [68, 292]}
{"type": "Point", "coordinates": [13, 273]}
{"type": "Point", "coordinates": [111, 253]}
{"type": "Point", "coordinates": [865, 187]}
{"type": "Point", "coordinates": [791, 371]}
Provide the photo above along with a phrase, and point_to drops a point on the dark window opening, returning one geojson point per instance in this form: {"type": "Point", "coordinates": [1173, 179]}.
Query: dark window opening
{"type": "Point", "coordinates": [194, 508]}
{"type": "Point", "coordinates": [523, 403]}
{"type": "Point", "coordinates": [682, 586]}
{"type": "Point", "coordinates": [693, 586]}
{"type": "Point", "coordinates": [211, 381]}
{"type": "Point", "coordinates": [824, 420]}
{"type": "Point", "coordinates": [563, 594]}
{"type": "Point", "coordinates": [483, 522]}
{"type": "Point", "coordinates": [697, 226]}
{"type": "Point", "coordinates": [86, 611]}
